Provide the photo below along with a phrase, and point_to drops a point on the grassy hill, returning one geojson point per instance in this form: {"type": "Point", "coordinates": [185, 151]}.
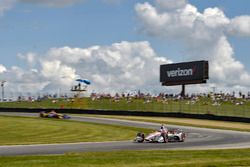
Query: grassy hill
{"type": "Point", "coordinates": [202, 106]}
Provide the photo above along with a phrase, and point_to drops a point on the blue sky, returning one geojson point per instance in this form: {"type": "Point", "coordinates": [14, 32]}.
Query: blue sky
{"type": "Point", "coordinates": [37, 28]}
{"type": "Point", "coordinates": [28, 27]}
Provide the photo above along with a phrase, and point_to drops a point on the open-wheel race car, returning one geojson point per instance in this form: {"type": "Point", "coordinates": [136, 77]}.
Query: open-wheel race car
{"type": "Point", "coordinates": [171, 135]}
{"type": "Point", "coordinates": [53, 114]}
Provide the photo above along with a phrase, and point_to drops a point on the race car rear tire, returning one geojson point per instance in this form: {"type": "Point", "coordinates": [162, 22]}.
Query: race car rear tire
{"type": "Point", "coordinates": [176, 138]}
{"type": "Point", "coordinates": [142, 135]}
{"type": "Point", "coordinates": [41, 115]}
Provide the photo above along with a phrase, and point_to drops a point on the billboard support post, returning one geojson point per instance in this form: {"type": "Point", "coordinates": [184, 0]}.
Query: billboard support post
{"type": "Point", "coordinates": [183, 90]}
{"type": "Point", "coordinates": [2, 85]}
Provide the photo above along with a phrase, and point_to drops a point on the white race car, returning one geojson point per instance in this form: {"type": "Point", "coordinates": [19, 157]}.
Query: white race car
{"type": "Point", "coordinates": [172, 135]}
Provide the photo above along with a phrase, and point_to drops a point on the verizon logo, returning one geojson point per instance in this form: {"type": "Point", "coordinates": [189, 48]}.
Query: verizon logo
{"type": "Point", "coordinates": [181, 72]}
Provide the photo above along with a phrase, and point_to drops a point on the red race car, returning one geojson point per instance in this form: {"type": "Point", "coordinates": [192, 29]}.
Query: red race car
{"type": "Point", "coordinates": [172, 135]}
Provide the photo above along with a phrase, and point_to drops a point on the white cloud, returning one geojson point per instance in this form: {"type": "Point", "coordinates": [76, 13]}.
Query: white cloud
{"type": "Point", "coordinates": [2, 68]}
{"type": "Point", "coordinates": [240, 26]}
{"type": "Point", "coordinates": [170, 4]}
{"type": "Point", "coordinates": [204, 35]}
{"type": "Point", "coordinates": [121, 66]}
{"type": "Point", "coordinates": [214, 18]}
{"type": "Point", "coordinates": [71, 55]}
{"type": "Point", "coordinates": [57, 74]}
{"type": "Point", "coordinates": [224, 67]}
{"type": "Point", "coordinates": [22, 81]}
{"type": "Point", "coordinates": [185, 22]}
{"type": "Point", "coordinates": [118, 67]}
{"type": "Point", "coordinates": [30, 58]}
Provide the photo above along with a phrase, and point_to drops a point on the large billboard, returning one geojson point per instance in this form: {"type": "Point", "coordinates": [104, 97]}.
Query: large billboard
{"type": "Point", "coordinates": [184, 73]}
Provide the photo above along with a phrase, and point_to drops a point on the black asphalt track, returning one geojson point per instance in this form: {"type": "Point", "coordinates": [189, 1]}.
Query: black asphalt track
{"type": "Point", "coordinates": [197, 138]}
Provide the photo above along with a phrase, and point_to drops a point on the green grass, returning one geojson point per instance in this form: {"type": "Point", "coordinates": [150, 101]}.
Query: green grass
{"type": "Point", "coordinates": [203, 106]}
{"type": "Point", "coordinates": [220, 158]}
{"type": "Point", "coordinates": [23, 130]}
